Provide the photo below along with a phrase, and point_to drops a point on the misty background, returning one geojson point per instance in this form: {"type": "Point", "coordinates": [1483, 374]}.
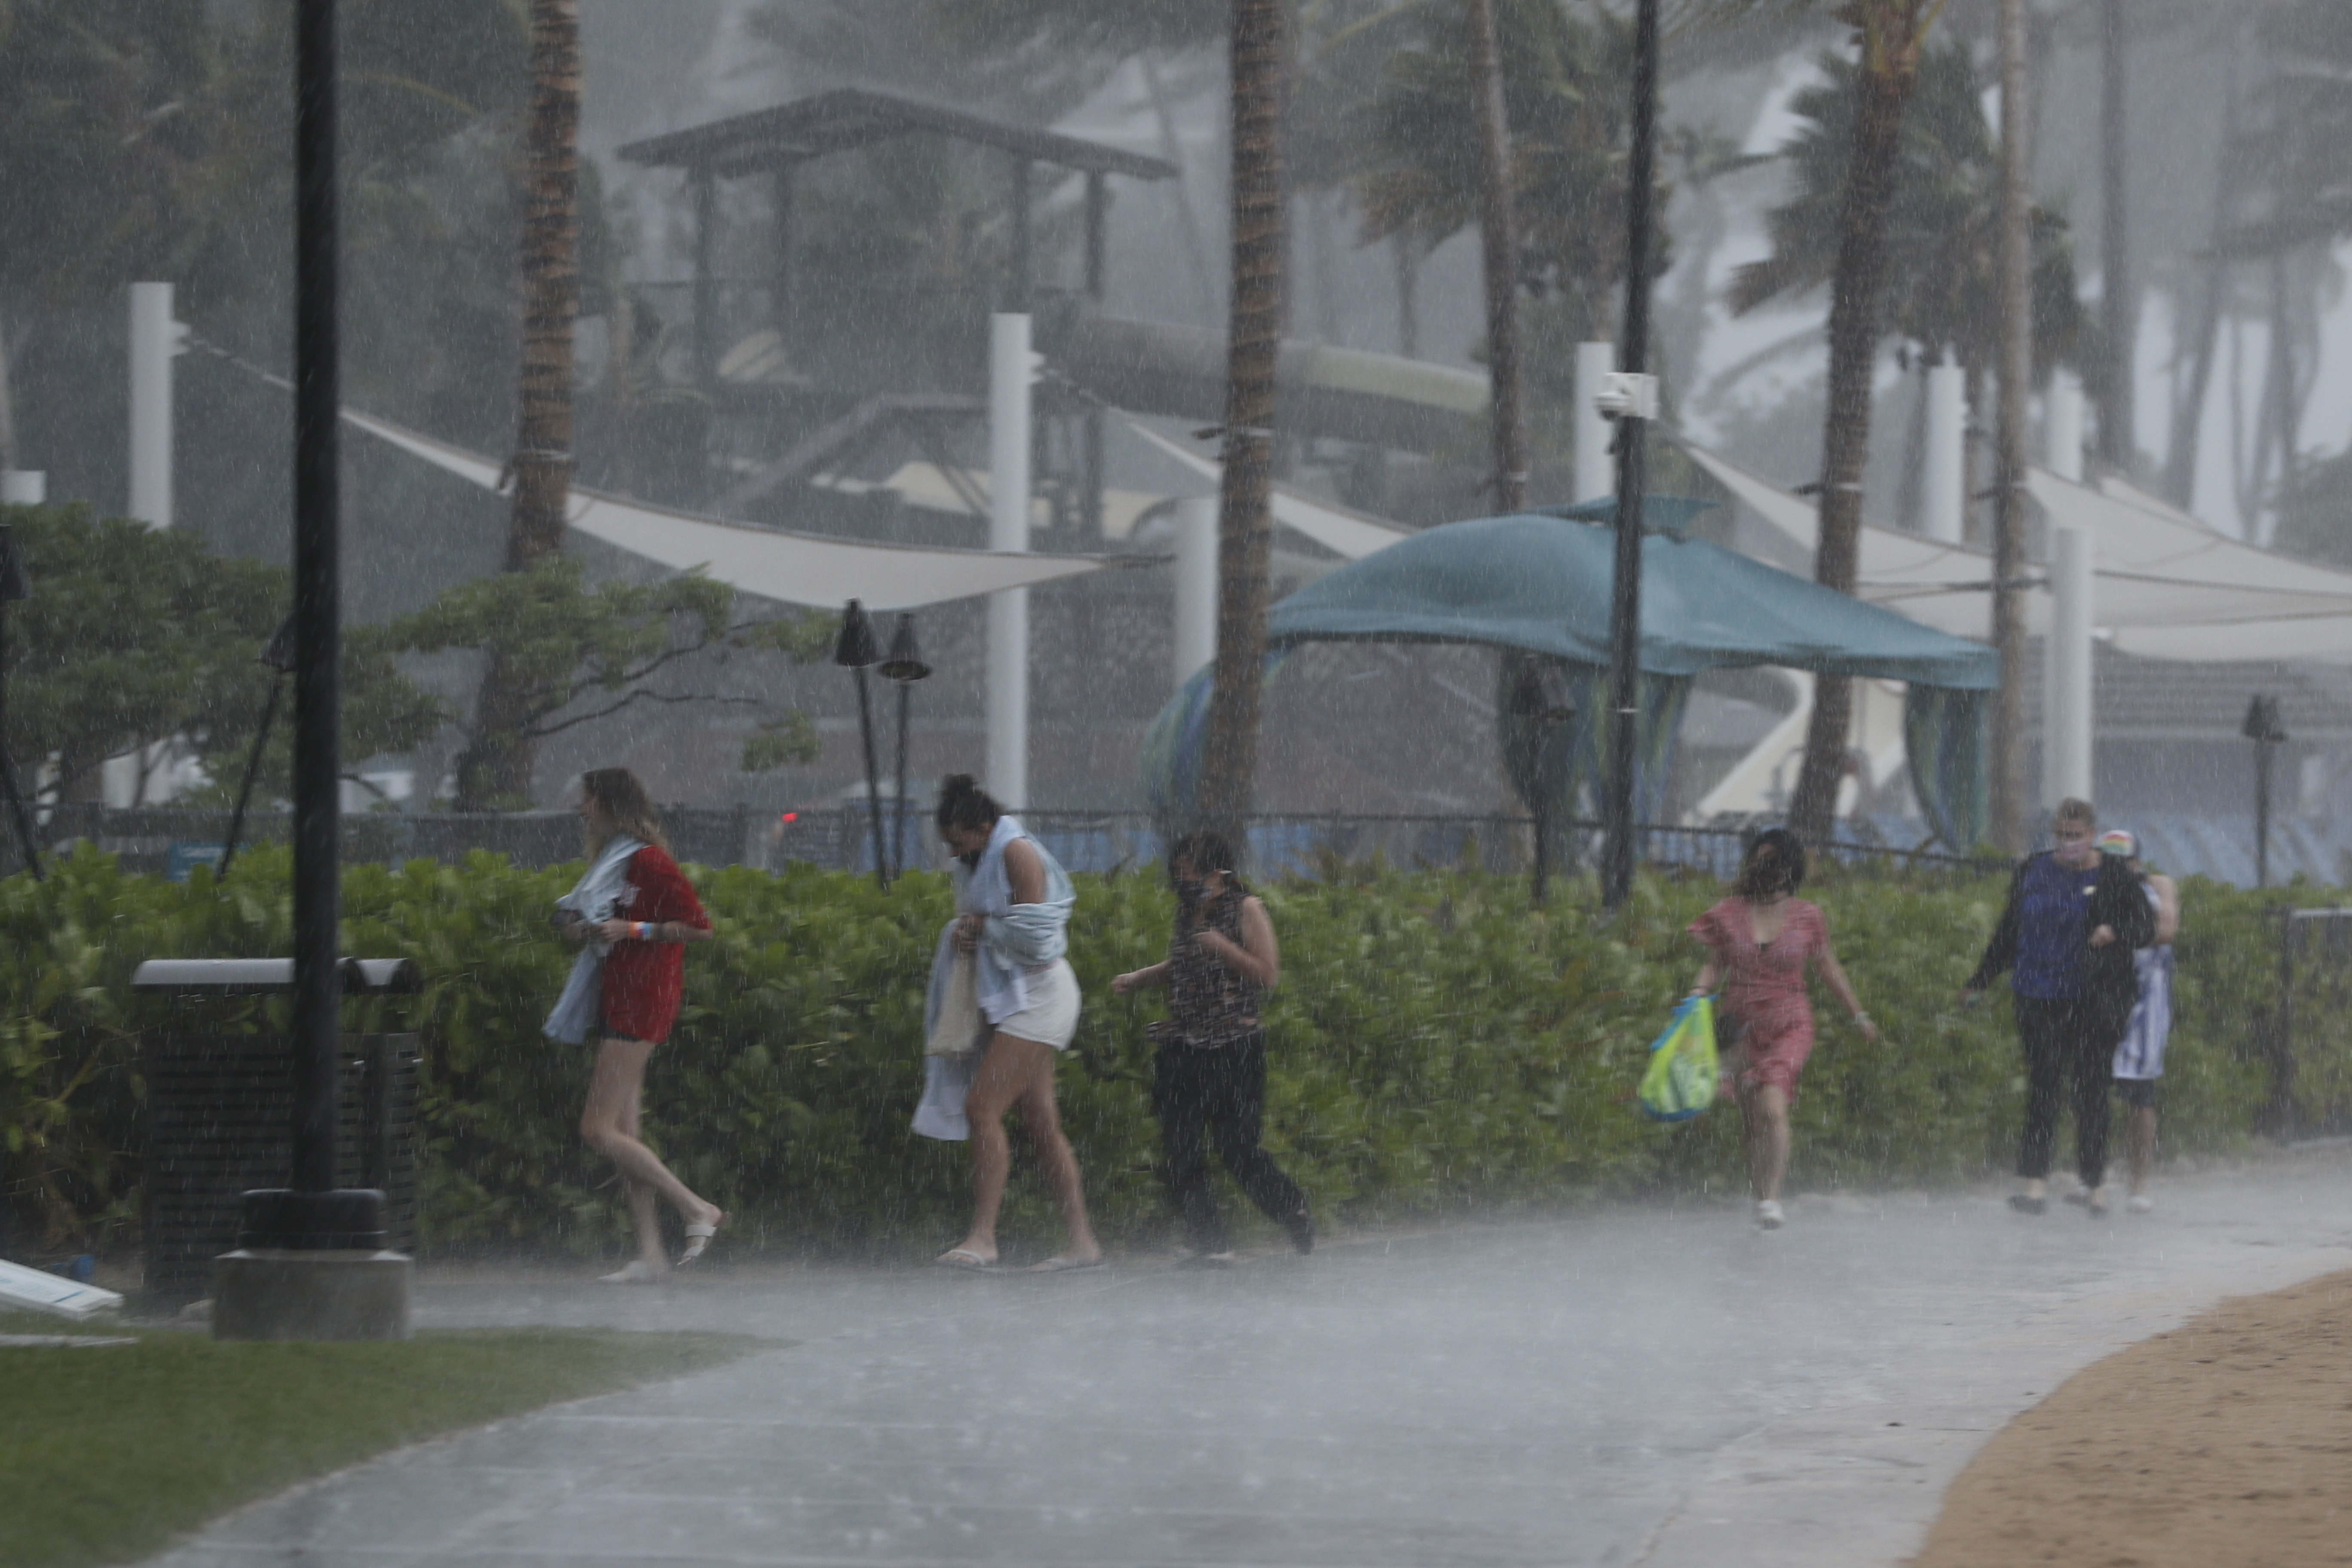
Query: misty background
{"type": "Point", "coordinates": [171, 162]}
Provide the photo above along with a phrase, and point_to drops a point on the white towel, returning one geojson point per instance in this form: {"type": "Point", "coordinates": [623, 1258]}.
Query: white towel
{"type": "Point", "coordinates": [593, 898]}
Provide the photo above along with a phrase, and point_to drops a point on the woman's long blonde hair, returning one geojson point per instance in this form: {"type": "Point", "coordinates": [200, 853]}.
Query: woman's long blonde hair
{"type": "Point", "coordinates": [625, 805]}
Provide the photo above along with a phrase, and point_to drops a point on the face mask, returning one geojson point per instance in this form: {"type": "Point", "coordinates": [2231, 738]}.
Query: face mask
{"type": "Point", "coordinates": [1190, 889]}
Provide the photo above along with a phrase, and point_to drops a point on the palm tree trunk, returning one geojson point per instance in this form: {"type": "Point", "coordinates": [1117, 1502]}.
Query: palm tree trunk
{"type": "Point", "coordinates": [2119, 303]}
{"type": "Point", "coordinates": [2008, 799]}
{"type": "Point", "coordinates": [1244, 517]}
{"type": "Point", "coordinates": [2189, 408]}
{"type": "Point", "coordinates": [496, 767]}
{"type": "Point", "coordinates": [1884, 87]}
{"type": "Point", "coordinates": [1499, 240]}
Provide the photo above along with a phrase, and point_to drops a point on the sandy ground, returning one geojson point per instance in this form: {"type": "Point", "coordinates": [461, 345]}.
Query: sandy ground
{"type": "Point", "coordinates": [2226, 1441]}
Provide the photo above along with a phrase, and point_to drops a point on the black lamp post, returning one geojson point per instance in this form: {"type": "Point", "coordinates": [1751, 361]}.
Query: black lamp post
{"type": "Point", "coordinates": [1533, 700]}
{"type": "Point", "coordinates": [308, 1230]}
{"type": "Point", "coordinates": [1625, 601]}
{"type": "Point", "coordinates": [14, 589]}
{"type": "Point", "coordinates": [856, 651]}
{"type": "Point", "coordinates": [903, 669]}
{"type": "Point", "coordinates": [278, 655]}
{"type": "Point", "coordinates": [2264, 729]}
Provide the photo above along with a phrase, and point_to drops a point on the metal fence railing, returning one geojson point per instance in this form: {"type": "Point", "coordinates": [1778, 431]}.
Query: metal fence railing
{"type": "Point", "coordinates": [166, 840]}
{"type": "Point", "coordinates": [1298, 843]}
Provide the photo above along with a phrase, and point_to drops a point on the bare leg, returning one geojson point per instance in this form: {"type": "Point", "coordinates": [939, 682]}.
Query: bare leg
{"type": "Point", "coordinates": [1005, 1066]}
{"type": "Point", "coordinates": [2143, 1146]}
{"type": "Point", "coordinates": [1765, 1112]}
{"type": "Point", "coordinates": [645, 1204]}
{"type": "Point", "coordinates": [1043, 1118]}
{"type": "Point", "coordinates": [609, 1125]}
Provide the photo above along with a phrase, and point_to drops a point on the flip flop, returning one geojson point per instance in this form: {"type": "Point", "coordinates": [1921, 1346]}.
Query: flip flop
{"type": "Point", "coordinates": [1058, 1265]}
{"type": "Point", "coordinates": [697, 1240]}
{"type": "Point", "coordinates": [962, 1257]}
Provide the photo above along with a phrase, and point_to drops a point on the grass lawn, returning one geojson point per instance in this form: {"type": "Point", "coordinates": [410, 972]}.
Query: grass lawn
{"type": "Point", "coordinates": [107, 1453]}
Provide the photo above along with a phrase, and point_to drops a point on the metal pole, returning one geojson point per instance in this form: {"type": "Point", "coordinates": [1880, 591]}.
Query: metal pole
{"type": "Point", "coordinates": [1944, 510]}
{"type": "Point", "coordinates": [2262, 750]}
{"type": "Point", "coordinates": [1595, 477]}
{"type": "Point", "coordinates": [873, 779]}
{"type": "Point", "coordinates": [317, 1020]}
{"type": "Point", "coordinates": [1625, 596]}
{"type": "Point", "coordinates": [899, 795]}
{"type": "Point", "coordinates": [153, 341]}
{"type": "Point", "coordinates": [2066, 733]}
{"type": "Point", "coordinates": [1008, 529]}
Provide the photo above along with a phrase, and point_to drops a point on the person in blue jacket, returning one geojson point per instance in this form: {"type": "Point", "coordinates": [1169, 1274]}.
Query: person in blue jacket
{"type": "Point", "coordinates": [2066, 938]}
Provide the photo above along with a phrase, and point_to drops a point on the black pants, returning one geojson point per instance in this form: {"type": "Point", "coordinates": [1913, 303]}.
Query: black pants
{"type": "Point", "coordinates": [1220, 1092]}
{"type": "Point", "coordinates": [2070, 1051]}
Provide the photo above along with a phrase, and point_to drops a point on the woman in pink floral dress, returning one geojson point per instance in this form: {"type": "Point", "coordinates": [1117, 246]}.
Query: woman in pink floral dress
{"type": "Point", "coordinates": [1759, 943]}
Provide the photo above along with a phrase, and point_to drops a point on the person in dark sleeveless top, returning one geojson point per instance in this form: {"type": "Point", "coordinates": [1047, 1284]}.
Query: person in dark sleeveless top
{"type": "Point", "coordinates": [1209, 1074]}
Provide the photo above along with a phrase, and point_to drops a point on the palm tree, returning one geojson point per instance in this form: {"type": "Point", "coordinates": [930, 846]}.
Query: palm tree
{"type": "Point", "coordinates": [1500, 246]}
{"type": "Point", "coordinates": [1257, 50]}
{"type": "Point", "coordinates": [1942, 228]}
{"type": "Point", "coordinates": [1889, 38]}
{"type": "Point", "coordinates": [1418, 145]}
{"type": "Point", "coordinates": [496, 765]}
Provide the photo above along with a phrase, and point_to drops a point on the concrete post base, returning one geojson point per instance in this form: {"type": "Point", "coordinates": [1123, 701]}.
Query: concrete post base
{"type": "Point", "coordinates": [264, 1293]}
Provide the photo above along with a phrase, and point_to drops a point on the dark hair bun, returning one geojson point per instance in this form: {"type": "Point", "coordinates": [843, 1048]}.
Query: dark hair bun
{"type": "Point", "coordinates": [964, 806]}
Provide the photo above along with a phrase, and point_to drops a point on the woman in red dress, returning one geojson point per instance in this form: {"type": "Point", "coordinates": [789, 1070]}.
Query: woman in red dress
{"type": "Point", "coordinates": [639, 909]}
{"type": "Point", "coordinates": [1759, 942]}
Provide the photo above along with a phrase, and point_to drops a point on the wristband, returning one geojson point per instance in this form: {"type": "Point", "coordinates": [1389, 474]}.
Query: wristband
{"type": "Point", "coordinates": [644, 931]}
{"type": "Point", "coordinates": [1860, 1016]}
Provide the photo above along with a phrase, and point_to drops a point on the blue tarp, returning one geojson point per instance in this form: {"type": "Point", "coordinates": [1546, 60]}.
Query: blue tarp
{"type": "Point", "coordinates": [1542, 584]}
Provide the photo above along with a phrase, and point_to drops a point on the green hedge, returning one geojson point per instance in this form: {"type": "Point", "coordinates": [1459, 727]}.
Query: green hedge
{"type": "Point", "coordinates": [1436, 1045]}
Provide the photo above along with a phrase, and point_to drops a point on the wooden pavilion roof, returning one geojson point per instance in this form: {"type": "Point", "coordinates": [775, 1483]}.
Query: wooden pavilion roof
{"type": "Point", "coordinates": [852, 117]}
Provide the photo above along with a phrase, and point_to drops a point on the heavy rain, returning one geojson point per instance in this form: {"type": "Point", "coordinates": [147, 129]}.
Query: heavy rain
{"type": "Point", "coordinates": [1175, 782]}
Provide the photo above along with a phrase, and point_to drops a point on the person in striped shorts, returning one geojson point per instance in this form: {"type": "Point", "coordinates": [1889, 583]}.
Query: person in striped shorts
{"type": "Point", "coordinates": [2139, 1055]}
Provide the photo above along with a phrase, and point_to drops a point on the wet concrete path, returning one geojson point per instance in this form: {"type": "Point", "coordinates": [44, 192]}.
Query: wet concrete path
{"type": "Point", "coordinates": [1628, 1388]}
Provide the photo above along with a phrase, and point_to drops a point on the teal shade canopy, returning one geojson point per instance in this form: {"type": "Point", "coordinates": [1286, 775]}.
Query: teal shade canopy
{"type": "Point", "coordinates": [1542, 584]}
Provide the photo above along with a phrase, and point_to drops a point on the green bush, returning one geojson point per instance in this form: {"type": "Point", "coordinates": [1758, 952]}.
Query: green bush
{"type": "Point", "coordinates": [1436, 1045]}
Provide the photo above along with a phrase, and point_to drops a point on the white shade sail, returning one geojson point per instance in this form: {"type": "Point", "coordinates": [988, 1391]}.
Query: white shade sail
{"type": "Point", "coordinates": [1946, 586]}
{"type": "Point", "coordinates": [773, 563]}
{"type": "Point", "coordinates": [1337, 530]}
{"type": "Point", "coordinates": [2168, 586]}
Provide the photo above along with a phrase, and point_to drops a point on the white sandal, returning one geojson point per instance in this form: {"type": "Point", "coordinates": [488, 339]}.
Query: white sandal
{"type": "Point", "coordinates": [697, 1240]}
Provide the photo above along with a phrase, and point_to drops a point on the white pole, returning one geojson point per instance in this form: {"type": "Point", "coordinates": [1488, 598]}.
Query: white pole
{"type": "Point", "coordinates": [1196, 585]}
{"type": "Point", "coordinates": [24, 487]}
{"type": "Point", "coordinates": [1010, 373]}
{"type": "Point", "coordinates": [1945, 483]}
{"type": "Point", "coordinates": [1596, 470]}
{"type": "Point", "coordinates": [2063, 426]}
{"type": "Point", "coordinates": [154, 339]}
{"type": "Point", "coordinates": [2067, 714]}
